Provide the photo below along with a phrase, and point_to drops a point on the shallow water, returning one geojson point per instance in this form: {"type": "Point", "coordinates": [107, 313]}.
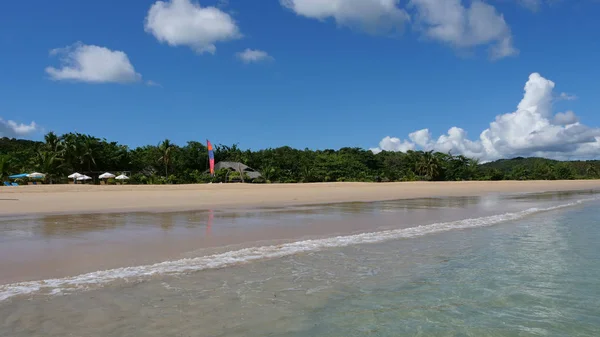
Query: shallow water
{"type": "Point", "coordinates": [532, 273]}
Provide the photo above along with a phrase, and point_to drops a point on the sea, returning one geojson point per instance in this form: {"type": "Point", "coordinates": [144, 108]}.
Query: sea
{"type": "Point", "coordinates": [496, 265]}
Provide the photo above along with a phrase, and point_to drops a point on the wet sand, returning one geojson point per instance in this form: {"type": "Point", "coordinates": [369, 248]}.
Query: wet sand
{"type": "Point", "coordinates": [537, 276]}
{"type": "Point", "coordinates": [55, 246]}
{"type": "Point", "coordinates": [70, 199]}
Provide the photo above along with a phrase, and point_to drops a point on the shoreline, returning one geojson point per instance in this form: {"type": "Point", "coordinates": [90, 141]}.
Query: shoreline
{"type": "Point", "coordinates": [90, 199]}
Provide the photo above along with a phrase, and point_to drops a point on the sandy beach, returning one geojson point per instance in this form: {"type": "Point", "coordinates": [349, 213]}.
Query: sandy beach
{"type": "Point", "coordinates": [67, 199]}
{"type": "Point", "coordinates": [169, 273]}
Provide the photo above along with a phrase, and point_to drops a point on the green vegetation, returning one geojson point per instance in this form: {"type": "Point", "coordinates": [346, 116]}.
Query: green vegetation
{"type": "Point", "coordinates": [167, 163]}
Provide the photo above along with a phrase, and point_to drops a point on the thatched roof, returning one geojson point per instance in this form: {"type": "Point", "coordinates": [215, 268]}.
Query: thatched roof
{"type": "Point", "coordinates": [235, 166]}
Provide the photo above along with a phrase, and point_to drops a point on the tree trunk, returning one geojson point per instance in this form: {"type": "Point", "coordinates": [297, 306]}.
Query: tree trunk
{"type": "Point", "coordinates": [241, 172]}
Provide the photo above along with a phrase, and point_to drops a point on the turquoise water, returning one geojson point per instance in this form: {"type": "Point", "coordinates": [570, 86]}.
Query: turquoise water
{"type": "Point", "coordinates": [538, 275]}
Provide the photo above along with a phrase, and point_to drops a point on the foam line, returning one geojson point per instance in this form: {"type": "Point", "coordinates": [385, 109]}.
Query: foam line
{"type": "Point", "coordinates": [99, 278]}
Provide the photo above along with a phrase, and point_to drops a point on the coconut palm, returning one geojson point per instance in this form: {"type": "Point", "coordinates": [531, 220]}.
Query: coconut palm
{"type": "Point", "coordinates": [53, 142]}
{"type": "Point", "coordinates": [4, 166]}
{"type": "Point", "coordinates": [47, 162]}
{"type": "Point", "coordinates": [591, 171]}
{"type": "Point", "coordinates": [166, 149]}
{"type": "Point", "coordinates": [88, 151]}
{"type": "Point", "coordinates": [428, 165]}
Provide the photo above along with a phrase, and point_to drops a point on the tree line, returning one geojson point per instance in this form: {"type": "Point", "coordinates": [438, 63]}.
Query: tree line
{"type": "Point", "coordinates": [166, 162]}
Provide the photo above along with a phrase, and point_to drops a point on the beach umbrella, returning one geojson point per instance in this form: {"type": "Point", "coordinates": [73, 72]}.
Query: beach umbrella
{"type": "Point", "coordinates": [36, 175]}
{"type": "Point", "coordinates": [122, 177]}
{"type": "Point", "coordinates": [75, 175]}
{"type": "Point", "coordinates": [84, 177]}
{"type": "Point", "coordinates": [106, 175]}
{"type": "Point", "coordinates": [17, 176]}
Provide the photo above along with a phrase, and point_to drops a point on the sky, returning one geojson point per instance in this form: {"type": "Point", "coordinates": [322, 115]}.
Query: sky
{"type": "Point", "coordinates": [488, 79]}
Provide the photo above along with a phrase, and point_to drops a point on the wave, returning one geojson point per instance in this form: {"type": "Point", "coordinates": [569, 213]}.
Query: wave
{"type": "Point", "coordinates": [99, 278]}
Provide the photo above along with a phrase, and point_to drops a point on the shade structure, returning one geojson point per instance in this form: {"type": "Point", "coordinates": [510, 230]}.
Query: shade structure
{"type": "Point", "coordinates": [84, 177]}
{"type": "Point", "coordinates": [36, 175]}
{"type": "Point", "coordinates": [106, 175]}
{"type": "Point", "coordinates": [17, 176]}
{"type": "Point", "coordinates": [75, 175]}
{"type": "Point", "coordinates": [122, 177]}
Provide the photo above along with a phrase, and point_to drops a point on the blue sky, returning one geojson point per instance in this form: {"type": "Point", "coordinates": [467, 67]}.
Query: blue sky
{"type": "Point", "coordinates": [347, 74]}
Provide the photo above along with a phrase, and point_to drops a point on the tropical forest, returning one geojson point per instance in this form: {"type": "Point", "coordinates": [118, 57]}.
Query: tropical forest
{"type": "Point", "coordinates": [169, 163]}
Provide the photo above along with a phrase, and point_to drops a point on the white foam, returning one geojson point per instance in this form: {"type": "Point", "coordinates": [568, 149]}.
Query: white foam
{"type": "Point", "coordinates": [99, 278]}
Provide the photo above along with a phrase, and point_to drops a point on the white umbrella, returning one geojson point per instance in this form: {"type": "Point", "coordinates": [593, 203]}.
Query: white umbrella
{"type": "Point", "coordinates": [122, 177]}
{"type": "Point", "coordinates": [75, 175]}
{"type": "Point", "coordinates": [106, 175]}
{"type": "Point", "coordinates": [84, 177]}
{"type": "Point", "coordinates": [36, 175]}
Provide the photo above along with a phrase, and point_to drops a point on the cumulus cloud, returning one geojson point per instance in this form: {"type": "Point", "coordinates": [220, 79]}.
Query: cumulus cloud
{"type": "Point", "coordinates": [373, 16]}
{"type": "Point", "coordinates": [450, 22]}
{"type": "Point", "coordinates": [394, 144]}
{"type": "Point", "coordinates": [185, 23]}
{"type": "Point", "coordinates": [565, 118]}
{"type": "Point", "coordinates": [253, 56]}
{"type": "Point", "coordinates": [12, 129]}
{"type": "Point", "coordinates": [446, 21]}
{"type": "Point", "coordinates": [531, 130]}
{"type": "Point", "coordinates": [92, 64]}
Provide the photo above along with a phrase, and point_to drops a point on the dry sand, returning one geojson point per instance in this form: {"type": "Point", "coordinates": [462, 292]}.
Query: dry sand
{"type": "Point", "coordinates": [71, 199]}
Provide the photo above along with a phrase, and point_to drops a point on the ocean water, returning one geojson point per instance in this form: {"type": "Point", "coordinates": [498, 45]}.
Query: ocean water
{"type": "Point", "coordinates": [526, 265]}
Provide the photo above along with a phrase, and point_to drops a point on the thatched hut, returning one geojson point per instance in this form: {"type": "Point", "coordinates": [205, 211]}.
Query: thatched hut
{"type": "Point", "coordinates": [238, 167]}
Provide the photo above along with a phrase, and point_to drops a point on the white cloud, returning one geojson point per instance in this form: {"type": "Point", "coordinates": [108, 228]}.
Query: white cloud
{"type": "Point", "coordinates": [93, 64]}
{"type": "Point", "coordinates": [531, 4]}
{"type": "Point", "coordinates": [253, 56]}
{"type": "Point", "coordinates": [12, 129]}
{"type": "Point", "coordinates": [394, 144]}
{"type": "Point", "coordinates": [184, 23]}
{"type": "Point", "coordinates": [446, 21]}
{"type": "Point", "coordinates": [370, 15]}
{"type": "Point", "coordinates": [532, 130]}
{"type": "Point", "coordinates": [151, 83]}
{"type": "Point", "coordinates": [565, 118]}
{"type": "Point", "coordinates": [450, 22]}
{"type": "Point", "coordinates": [566, 97]}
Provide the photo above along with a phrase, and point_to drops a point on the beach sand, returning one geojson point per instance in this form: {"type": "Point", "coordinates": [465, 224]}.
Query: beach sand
{"type": "Point", "coordinates": [72, 199]}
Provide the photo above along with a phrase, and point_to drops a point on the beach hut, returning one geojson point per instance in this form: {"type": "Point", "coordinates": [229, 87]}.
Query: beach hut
{"type": "Point", "coordinates": [240, 168]}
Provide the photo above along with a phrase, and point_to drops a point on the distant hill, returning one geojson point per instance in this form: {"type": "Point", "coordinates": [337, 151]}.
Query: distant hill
{"type": "Point", "coordinates": [12, 145]}
{"type": "Point", "coordinates": [542, 168]}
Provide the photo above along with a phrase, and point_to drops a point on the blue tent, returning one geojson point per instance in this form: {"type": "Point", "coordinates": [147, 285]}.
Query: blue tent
{"type": "Point", "coordinates": [17, 176]}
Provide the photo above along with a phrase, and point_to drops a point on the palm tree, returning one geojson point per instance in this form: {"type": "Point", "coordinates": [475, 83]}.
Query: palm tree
{"type": "Point", "coordinates": [52, 142]}
{"type": "Point", "coordinates": [591, 171]}
{"type": "Point", "coordinates": [4, 166]}
{"type": "Point", "coordinates": [429, 165]}
{"type": "Point", "coordinates": [88, 151]}
{"type": "Point", "coordinates": [71, 151]}
{"type": "Point", "coordinates": [166, 147]}
{"type": "Point", "coordinates": [46, 162]}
